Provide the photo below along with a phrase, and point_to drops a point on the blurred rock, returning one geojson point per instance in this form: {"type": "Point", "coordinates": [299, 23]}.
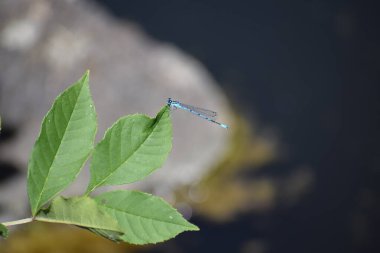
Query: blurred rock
{"type": "Point", "coordinates": [45, 45]}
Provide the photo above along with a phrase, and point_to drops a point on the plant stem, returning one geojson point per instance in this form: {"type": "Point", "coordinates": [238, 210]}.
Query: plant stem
{"type": "Point", "coordinates": [17, 222]}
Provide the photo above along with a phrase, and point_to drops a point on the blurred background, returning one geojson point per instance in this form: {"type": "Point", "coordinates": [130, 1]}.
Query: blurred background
{"type": "Point", "coordinates": [298, 81]}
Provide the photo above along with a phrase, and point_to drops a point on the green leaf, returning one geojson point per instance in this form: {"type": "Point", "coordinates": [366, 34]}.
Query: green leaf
{"type": "Point", "coordinates": [143, 218]}
{"type": "Point", "coordinates": [3, 231]}
{"type": "Point", "coordinates": [81, 211]}
{"type": "Point", "coordinates": [64, 144]}
{"type": "Point", "coordinates": [131, 149]}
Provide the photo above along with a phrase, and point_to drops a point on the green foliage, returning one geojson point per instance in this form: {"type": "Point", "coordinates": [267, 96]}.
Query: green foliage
{"type": "Point", "coordinates": [143, 218]}
{"type": "Point", "coordinates": [131, 149]}
{"type": "Point", "coordinates": [3, 231]}
{"type": "Point", "coordinates": [82, 211]}
{"type": "Point", "coordinates": [64, 144]}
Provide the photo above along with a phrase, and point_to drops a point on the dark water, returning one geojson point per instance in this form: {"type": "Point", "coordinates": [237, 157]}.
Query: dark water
{"type": "Point", "coordinates": [310, 69]}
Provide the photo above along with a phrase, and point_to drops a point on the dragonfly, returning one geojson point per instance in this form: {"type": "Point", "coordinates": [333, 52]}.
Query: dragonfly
{"type": "Point", "coordinates": [200, 112]}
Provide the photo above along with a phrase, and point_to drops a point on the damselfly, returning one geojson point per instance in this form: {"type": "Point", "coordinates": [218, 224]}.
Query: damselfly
{"type": "Point", "coordinates": [203, 113]}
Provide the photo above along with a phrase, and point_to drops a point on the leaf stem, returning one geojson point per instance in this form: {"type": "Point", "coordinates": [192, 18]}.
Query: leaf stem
{"type": "Point", "coordinates": [17, 222]}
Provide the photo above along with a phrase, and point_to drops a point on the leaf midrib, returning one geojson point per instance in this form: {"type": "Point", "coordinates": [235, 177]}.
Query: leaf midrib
{"type": "Point", "coordinates": [62, 221]}
{"type": "Point", "coordinates": [144, 217]}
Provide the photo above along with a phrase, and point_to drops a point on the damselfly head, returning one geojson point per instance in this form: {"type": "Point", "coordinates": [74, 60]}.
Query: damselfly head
{"type": "Point", "coordinates": [170, 101]}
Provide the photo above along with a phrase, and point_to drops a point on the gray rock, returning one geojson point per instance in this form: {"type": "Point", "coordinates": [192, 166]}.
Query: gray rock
{"type": "Point", "coordinates": [46, 45]}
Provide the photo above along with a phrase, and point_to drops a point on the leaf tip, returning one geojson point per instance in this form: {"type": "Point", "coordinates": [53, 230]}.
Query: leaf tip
{"type": "Point", "coordinates": [193, 227]}
{"type": "Point", "coordinates": [85, 78]}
